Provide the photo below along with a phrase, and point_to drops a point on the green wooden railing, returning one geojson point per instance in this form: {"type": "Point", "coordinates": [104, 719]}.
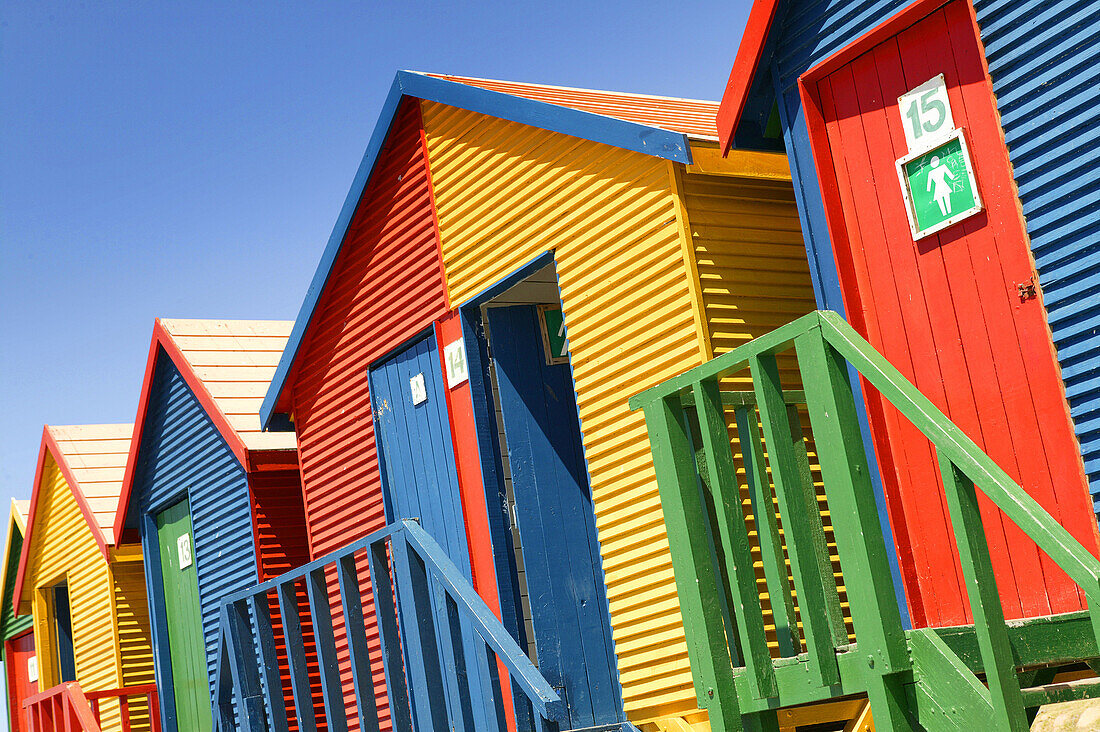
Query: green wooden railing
{"type": "Point", "coordinates": [737, 680]}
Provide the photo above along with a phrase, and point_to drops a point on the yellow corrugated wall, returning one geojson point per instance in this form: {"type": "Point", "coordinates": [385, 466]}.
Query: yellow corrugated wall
{"type": "Point", "coordinates": [754, 276]}
{"type": "Point", "coordinates": [505, 193]}
{"type": "Point", "coordinates": [134, 632]}
{"type": "Point", "coordinates": [63, 548]}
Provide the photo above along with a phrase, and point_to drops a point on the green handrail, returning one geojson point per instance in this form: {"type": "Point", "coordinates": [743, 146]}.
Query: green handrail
{"type": "Point", "coordinates": [723, 625]}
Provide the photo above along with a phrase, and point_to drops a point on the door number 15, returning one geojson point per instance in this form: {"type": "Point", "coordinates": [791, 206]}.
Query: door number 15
{"type": "Point", "coordinates": [926, 113]}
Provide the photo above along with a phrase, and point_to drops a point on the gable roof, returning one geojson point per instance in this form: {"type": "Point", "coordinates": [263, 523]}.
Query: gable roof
{"type": "Point", "coordinates": [91, 459]}
{"type": "Point", "coordinates": [227, 364]}
{"type": "Point", "coordinates": [650, 125]}
{"type": "Point", "coordinates": [751, 56]}
{"type": "Point", "coordinates": [17, 521]}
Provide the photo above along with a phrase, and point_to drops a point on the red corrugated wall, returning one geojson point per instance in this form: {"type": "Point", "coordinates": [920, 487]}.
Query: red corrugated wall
{"type": "Point", "coordinates": [386, 286]}
{"type": "Point", "coordinates": [282, 545]}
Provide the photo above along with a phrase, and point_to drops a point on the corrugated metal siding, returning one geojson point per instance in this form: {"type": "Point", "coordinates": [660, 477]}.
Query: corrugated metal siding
{"type": "Point", "coordinates": [10, 624]}
{"type": "Point", "coordinates": [753, 278]}
{"type": "Point", "coordinates": [135, 638]}
{"type": "Point", "coordinates": [62, 546]}
{"type": "Point", "coordinates": [386, 286]}
{"type": "Point", "coordinates": [1042, 61]}
{"type": "Point", "coordinates": [505, 193]}
{"type": "Point", "coordinates": [182, 453]}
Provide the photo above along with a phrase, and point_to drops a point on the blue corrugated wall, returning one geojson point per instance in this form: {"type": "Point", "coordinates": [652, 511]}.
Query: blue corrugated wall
{"type": "Point", "coordinates": [1042, 59]}
{"type": "Point", "coordinates": [182, 453]}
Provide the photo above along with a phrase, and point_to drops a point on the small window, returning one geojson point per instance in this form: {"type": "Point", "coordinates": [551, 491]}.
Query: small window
{"type": "Point", "coordinates": [63, 633]}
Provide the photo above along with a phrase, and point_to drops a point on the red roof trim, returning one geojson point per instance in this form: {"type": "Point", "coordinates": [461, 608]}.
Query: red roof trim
{"type": "Point", "coordinates": [750, 53]}
{"type": "Point", "coordinates": [162, 339]}
{"type": "Point", "coordinates": [49, 444]}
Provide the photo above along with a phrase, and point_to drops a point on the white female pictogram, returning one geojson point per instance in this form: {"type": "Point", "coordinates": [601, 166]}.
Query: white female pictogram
{"type": "Point", "coordinates": [938, 174]}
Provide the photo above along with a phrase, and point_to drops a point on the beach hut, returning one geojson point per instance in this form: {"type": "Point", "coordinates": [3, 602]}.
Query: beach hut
{"type": "Point", "coordinates": [87, 597]}
{"type": "Point", "coordinates": [214, 503]}
{"type": "Point", "coordinates": [17, 631]}
{"type": "Point", "coordinates": [512, 263]}
{"type": "Point", "coordinates": [939, 151]}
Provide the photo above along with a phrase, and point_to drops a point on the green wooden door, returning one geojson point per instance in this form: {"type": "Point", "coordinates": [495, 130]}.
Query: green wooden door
{"type": "Point", "coordinates": [181, 599]}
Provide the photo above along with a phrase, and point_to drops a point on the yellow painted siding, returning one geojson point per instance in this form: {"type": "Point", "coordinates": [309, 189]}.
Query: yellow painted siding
{"type": "Point", "coordinates": [506, 193]}
{"type": "Point", "coordinates": [754, 277]}
{"type": "Point", "coordinates": [134, 633]}
{"type": "Point", "coordinates": [63, 549]}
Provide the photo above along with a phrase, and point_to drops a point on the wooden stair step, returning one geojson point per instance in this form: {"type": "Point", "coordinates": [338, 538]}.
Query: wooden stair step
{"type": "Point", "coordinates": [1037, 696]}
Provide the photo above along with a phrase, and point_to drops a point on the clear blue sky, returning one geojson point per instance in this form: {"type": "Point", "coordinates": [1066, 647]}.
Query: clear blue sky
{"type": "Point", "coordinates": [188, 159]}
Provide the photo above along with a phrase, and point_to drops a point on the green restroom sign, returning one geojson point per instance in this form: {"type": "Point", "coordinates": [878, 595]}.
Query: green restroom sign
{"type": "Point", "coordinates": [938, 186]}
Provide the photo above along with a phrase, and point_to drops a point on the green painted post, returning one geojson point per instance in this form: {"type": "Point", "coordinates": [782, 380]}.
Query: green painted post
{"type": "Point", "coordinates": [799, 512]}
{"type": "Point", "coordinates": [693, 563]}
{"type": "Point", "coordinates": [880, 637]}
{"type": "Point", "coordinates": [767, 533]}
{"type": "Point", "coordinates": [851, 497]}
{"type": "Point", "coordinates": [985, 603]}
{"type": "Point", "coordinates": [734, 538]}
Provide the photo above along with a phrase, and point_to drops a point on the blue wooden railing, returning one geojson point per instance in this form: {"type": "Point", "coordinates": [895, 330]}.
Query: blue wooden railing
{"type": "Point", "coordinates": [424, 664]}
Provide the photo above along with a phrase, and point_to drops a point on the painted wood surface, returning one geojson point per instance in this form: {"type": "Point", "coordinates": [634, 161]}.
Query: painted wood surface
{"type": "Point", "coordinates": [947, 309]}
{"type": "Point", "coordinates": [421, 483]}
{"type": "Point", "coordinates": [183, 612]}
{"type": "Point", "coordinates": [134, 630]}
{"type": "Point", "coordinates": [555, 520]}
{"type": "Point", "coordinates": [506, 193]}
{"type": "Point", "coordinates": [18, 652]}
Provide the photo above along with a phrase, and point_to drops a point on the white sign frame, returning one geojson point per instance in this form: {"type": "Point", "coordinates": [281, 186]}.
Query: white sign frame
{"type": "Point", "coordinates": [929, 94]}
{"type": "Point", "coordinates": [908, 196]}
{"type": "Point", "coordinates": [458, 368]}
{"type": "Point", "coordinates": [418, 390]}
{"type": "Point", "coordinates": [184, 551]}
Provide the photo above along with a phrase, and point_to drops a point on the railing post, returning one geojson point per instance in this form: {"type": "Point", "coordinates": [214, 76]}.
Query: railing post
{"type": "Point", "coordinates": [767, 532]}
{"type": "Point", "coordinates": [745, 599]}
{"type": "Point", "coordinates": [985, 602]}
{"type": "Point", "coordinates": [244, 667]}
{"type": "Point", "coordinates": [818, 606]}
{"type": "Point", "coordinates": [876, 617]}
{"type": "Point", "coordinates": [329, 666]}
{"type": "Point", "coordinates": [422, 652]}
{"type": "Point", "coordinates": [274, 702]}
{"type": "Point", "coordinates": [389, 636]}
{"type": "Point", "coordinates": [693, 562]}
{"type": "Point", "coordinates": [351, 600]}
{"type": "Point", "coordinates": [289, 610]}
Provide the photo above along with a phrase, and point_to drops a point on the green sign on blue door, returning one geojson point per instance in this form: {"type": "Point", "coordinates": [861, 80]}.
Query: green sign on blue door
{"type": "Point", "coordinates": [938, 186]}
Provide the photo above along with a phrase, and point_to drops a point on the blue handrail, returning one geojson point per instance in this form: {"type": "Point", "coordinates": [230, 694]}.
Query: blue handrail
{"type": "Point", "coordinates": [249, 691]}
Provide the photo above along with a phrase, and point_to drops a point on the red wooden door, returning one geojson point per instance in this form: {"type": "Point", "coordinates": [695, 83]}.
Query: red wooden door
{"type": "Point", "coordinates": [947, 312]}
{"type": "Point", "coordinates": [20, 651]}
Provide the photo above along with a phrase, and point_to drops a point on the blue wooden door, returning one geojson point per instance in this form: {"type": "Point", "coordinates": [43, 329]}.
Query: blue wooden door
{"type": "Point", "coordinates": [421, 481]}
{"type": "Point", "coordinates": [555, 520]}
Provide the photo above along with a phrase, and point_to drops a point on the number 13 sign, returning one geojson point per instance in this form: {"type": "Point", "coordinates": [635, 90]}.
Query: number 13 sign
{"type": "Point", "coordinates": [926, 114]}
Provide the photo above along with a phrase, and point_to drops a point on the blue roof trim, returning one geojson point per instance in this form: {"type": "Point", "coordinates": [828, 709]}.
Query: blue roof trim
{"type": "Point", "coordinates": [586, 125]}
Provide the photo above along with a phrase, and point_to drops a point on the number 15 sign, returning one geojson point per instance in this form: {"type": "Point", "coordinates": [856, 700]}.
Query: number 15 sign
{"type": "Point", "coordinates": [925, 113]}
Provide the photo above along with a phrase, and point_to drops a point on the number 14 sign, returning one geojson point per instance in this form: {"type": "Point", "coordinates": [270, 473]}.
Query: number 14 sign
{"type": "Point", "coordinates": [936, 176]}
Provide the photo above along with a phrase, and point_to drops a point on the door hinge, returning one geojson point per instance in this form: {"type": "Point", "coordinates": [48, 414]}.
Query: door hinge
{"type": "Point", "coordinates": [1026, 290]}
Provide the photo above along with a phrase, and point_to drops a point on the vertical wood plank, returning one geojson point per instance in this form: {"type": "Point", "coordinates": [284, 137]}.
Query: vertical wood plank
{"type": "Point", "coordinates": [734, 536]}
{"type": "Point", "coordinates": [274, 701]}
{"type": "Point", "coordinates": [985, 602]}
{"type": "Point", "coordinates": [847, 477]}
{"type": "Point", "coordinates": [421, 652]}
{"type": "Point", "coordinates": [798, 508]}
{"type": "Point", "coordinates": [767, 532]}
{"type": "Point", "coordinates": [296, 656]}
{"type": "Point", "coordinates": [351, 602]}
{"type": "Point", "coordinates": [331, 689]}
{"type": "Point", "coordinates": [693, 563]}
{"type": "Point", "coordinates": [389, 637]}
